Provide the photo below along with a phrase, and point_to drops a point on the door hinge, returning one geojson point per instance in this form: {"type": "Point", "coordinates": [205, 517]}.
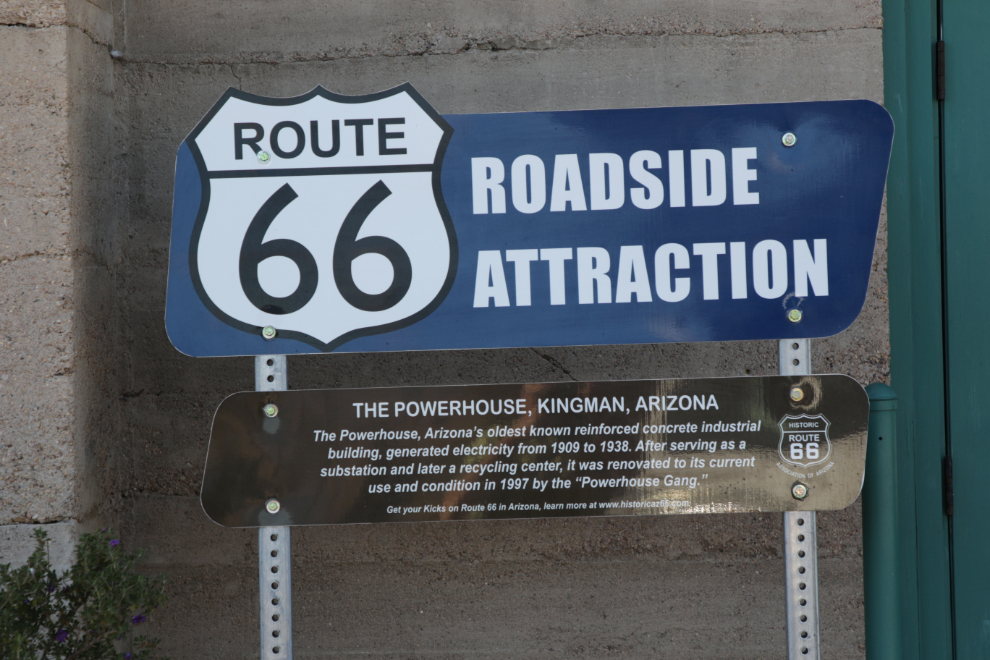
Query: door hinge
{"type": "Point", "coordinates": [947, 484]}
{"type": "Point", "coordinates": [940, 70]}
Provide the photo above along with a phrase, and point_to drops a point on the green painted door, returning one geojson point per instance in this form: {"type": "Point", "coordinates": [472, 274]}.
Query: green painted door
{"type": "Point", "coordinates": [966, 254]}
{"type": "Point", "coordinates": [938, 204]}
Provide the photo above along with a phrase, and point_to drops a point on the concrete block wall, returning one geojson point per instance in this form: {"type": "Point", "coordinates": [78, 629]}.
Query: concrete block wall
{"type": "Point", "coordinates": [53, 65]}
{"type": "Point", "coordinates": [36, 282]}
{"type": "Point", "coordinates": [671, 587]}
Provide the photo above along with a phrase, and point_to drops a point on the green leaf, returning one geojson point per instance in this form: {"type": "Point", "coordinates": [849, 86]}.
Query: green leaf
{"type": "Point", "coordinates": [87, 613]}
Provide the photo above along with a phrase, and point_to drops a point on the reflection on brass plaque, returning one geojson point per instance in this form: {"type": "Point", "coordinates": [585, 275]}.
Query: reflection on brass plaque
{"type": "Point", "coordinates": [540, 450]}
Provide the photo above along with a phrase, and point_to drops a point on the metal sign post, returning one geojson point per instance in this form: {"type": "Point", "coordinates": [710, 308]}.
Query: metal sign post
{"type": "Point", "coordinates": [380, 247]}
{"type": "Point", "coordinates": [800, 539]}
{"type": "Point", "coordinates": [274, 550]}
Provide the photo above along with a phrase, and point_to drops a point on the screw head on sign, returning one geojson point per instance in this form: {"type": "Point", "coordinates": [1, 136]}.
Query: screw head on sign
{"type": "Point", "coordinates": [264, 157]}
{"type": "Point", "coordinates": [794, 315]}
{"type": "Point", "coordinates": [271, 410]}
{"type": "Point", "coordinates": [799, 491]}
{"type": "Point", "coordinates": [269, 332]}
{"type": "Point", "coordinates": [796, 394]}
{"type": "Point", "coordinates": [789, 140]}
{"type": "Point", "coordinates": [272, 506]}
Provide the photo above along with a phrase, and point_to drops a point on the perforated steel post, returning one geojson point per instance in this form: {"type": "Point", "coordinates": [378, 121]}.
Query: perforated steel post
{"type": "Point", "coordinates": [274, 553]}
{"type": "Point", "coordinates": [800, 541]}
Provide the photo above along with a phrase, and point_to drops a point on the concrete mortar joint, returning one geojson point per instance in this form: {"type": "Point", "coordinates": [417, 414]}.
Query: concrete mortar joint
{"type": "Point", "coordinates": [395, 52]}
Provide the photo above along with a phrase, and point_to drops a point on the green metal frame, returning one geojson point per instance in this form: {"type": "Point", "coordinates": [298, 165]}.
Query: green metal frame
{"type": "Point", "coordinates": [882, 553]}
{"type": "Point", "coordinates": [914, 274]}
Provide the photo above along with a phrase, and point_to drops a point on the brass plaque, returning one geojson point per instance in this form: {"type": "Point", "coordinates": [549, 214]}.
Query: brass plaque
{"type": "Point", "coordinates": [538, 450]}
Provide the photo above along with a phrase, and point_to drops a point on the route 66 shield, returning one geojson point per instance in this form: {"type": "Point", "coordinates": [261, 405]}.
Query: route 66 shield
{"type": "Point", "coordinates": [319, 215]}
{"type": "Point", "coordinates": [804, 440]}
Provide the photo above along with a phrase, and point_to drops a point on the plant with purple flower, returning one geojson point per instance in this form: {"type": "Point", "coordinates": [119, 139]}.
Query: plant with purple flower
{"type": "Point", "coordinates": [87, 612]}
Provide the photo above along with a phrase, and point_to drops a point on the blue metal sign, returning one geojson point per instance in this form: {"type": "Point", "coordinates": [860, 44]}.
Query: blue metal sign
{"type": "Point", "coordinates": [371, 223]}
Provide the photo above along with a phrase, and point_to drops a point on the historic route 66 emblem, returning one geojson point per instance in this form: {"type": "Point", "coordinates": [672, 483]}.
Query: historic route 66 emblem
{"type": "Point", "coordinates": [804, 440]}
{"type": "Point", "coordinates": [321, 215]}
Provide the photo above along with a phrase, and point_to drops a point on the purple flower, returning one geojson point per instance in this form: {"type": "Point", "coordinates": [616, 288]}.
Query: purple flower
{"type": "Point", "coordinates": [138, 619]}
{"type": "Point", "coordinates": [126, 656]}
{"type": "Point", "coordinates": [51, 587]}
{"type": "Point", "coordinates": [114, 543]}
{"type": "Point", "coordinates": [61, 635]}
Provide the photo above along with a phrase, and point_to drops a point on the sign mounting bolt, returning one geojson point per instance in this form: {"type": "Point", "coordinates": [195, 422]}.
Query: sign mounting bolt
{"type": "Point", "coordinates": [796, 394]}
{"type": "Point", "coordinates": [794, 316]}
{"type": "Point", "coordinates": [269, 332]}
{"type": "Point", "coordinates": [798, 490]}
{"type": "Point", "coordinates": [264, 157]}
{"type": "Point", "coordinates": [789, 140]}
{"type": "Point", "coordinates": [272, 506]}
{"type": "Point", "coordinates": [271, 410]}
